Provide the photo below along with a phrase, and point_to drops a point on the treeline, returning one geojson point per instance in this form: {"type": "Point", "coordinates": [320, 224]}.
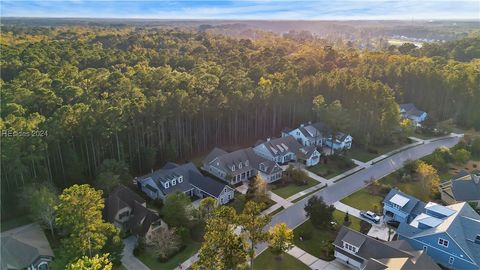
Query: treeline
{"type": "Point", "coordinates": [145, 96]}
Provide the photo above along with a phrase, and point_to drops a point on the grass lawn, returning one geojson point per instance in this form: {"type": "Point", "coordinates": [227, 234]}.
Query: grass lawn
{"type": "Point", "coordinates": [120, 267]}
{"type": "Point", "coordinates": [363, 200]}
{"type": "Point", "coordinates": [334, 167]}
{"type": "Point", "coordinates": [364, 155]}
{"type": "Point", "coordinates": [292, 188]}
{"type": "Point", "coordinates": [268, 261]}
{"type": "Point", "coordinates": [239, 202]}
{"type": "Point", "coordinates": [321, 236]}
{"type": "Point", "coordinates": [150, 260]}
{"type": "Point", "coordinates": [276, 211]}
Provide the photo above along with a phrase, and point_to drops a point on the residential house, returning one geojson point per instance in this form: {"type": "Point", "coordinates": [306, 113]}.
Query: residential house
{"type": "Point", "coordinates": [319, 135]}
{"type": "Point", "coordinates": [359, 251]}
{"type": "Point", "coordinates": [401, 207]}
{"type": "Point", "coordinates": [287, 149]}
{"type": "Point", "coordinates": [409, 111]}
{"type": "Point", "coordinates": [25, 247]}
{"type": "Point", "coordinates": [448, 234]}
{"type": "Point", "coordinates": [184, 178]}
{"type": "Point", "coordinates": [128, 211]}
{"type": "Point", "coordinates": [463, 187]}
{"type": "Point", "coordinates": [238, 166]}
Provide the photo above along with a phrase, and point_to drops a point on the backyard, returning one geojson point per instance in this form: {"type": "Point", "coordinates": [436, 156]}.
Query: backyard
{"type": "Point", "coordinates": [286, 191]}
{"type": "Point", "coordinates": [149, 259]}
{"type": "Point", "coordinates": [332, 166]}
{"type": "Point", "coordinates": [318, 241]}
{"type": "Point", "coordinates": [268, 261]}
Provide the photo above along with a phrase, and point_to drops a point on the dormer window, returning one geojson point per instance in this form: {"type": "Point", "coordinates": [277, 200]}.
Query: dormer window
{"type": "Point", "coordinates": [240, 165]}
{"type": "Point", "coordinates": [233, 168]}
{"type": "Point", "coordinates": [174, 182]}
{"type": "Point", "coordinates": [180, 179]}
{"type": "Point", "coordinates": [349, 247]}
{"type": "Point", "coordinates": [167, 185]}
{"type": "Point", "coordinates": [262, 167]}
{"type": "Point", "coordinates": [246, 162]}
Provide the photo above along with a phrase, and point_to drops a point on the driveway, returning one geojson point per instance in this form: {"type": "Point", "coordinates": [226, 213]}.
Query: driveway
{"type": "Point", "coordinates": [129, 260]}
{"type": "Point", "coordinates": [295, 215]}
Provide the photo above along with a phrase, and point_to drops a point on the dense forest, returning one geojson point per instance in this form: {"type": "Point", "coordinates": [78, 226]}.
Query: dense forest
{"type": "Point", "coordinates": [145, 96]}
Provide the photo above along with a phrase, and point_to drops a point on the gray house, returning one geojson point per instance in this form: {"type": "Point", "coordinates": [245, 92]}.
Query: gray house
{"type": "Point", "coordinates": [359, 251]}
{"type": "Point", "coordinates": [239, 166]}
{"type": "Point", "coordinates": [183, 178]}
{"type": "Point", "coordinates": [128, 211]}
{"type": "Point", "coordinates": [409, 111]}
{"type": "Point", "coordinates": [286, 149]}
{"type": "Point", "coordinates": [463, 187]}
{"type": "Point", "coordinates": [25, 247]}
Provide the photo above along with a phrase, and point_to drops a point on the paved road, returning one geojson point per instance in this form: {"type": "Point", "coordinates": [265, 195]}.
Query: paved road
{"type": "Point", "coordinates": [295, 215]}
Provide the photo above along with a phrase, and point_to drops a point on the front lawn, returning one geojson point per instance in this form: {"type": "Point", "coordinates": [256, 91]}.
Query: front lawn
{"type": "Point", "coordinates": [238, 203]}
{"type": "Point", "coordinates": [318, 241]}
{"type": "Point", "coordinates": [363, 200]}
{"type": "Point", "coordinates": [365, 154]}
{"type": "Point", "coordinates": [149, 259]}
{"type": "Point", "coordinates": [334, 166]}
{"type": "Point", "coordinates": [292, 188]}
{"type": "Point", "coordinates": [268, 261]}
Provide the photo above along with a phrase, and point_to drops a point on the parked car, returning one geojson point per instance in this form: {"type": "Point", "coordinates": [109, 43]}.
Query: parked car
{"type": "Point", "coordinates": [370, 216]}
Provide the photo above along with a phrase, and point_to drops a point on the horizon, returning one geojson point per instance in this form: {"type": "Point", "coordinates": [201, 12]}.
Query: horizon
{"type": "Point", "coordinates": [262, 10]}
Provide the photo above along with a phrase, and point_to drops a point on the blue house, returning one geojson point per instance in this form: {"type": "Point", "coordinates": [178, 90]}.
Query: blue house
{"type": "Point", "coordinates": [409, 111]}
{"type": "Point", "coordinates": [398, 206]}
{"type": "Point", "coordinates": [450, 235]}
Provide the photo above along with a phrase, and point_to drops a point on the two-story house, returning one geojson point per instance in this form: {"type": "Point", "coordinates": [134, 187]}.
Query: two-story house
{"type": "Point", "coordinates": [184, 178]}
{"type": "Point", "coordinates": [463, 187]}
{"type": "Point", "coordinates": [287, 149]}
{"type": "Point", "coordinates": [401, 207]}
{"type": "Point", "coordinates": [449, 234]}
{"type": "Point", "coordinates": [25, 247]}
{"type": "Point", "coordinates": [319, 135]}
{"type": "Point", "coordinates": [238, 166]}
{"type": "Point", "coordinates": [128, 212]}
{"type": "Point", "coordinates": [409, 111]}
{"type": "Point", "coordinates": [359, 251]}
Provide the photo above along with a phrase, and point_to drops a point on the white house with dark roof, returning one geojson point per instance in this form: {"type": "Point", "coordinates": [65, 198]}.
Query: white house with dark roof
{"type": "Point", "coordinates": [240, 165]}
{"type": "Point", "coordinates": [319, 135]}
{"type": "Point", "coordinates": [409, 111]}
{"type": "Point", "coordinates": [183, 178]}
{"type": "Point", "coordinates": [359, 251]}
{"type": "Point", "coordinates": [287, 149]}
{"type": "Point", "coordinates": [463, 187]}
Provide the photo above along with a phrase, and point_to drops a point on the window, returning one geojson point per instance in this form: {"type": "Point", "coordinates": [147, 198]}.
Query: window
{"type": "Point", "coordinates": [167, 185]}
{"type": "Point", "coordinates": [443, 242]}
{"type": "Point", "coordinates": [298, 132]}
{"type": "Point", "coordinates": [450, 260]}
{"type": "Point", "coordinates": [240, 165]}
{"type": "Point", "coordinates": [174, 182]}
{"type": "Point", "coordinates": [425, 248]}
{"type": "Point", "coordinates": [246, 162]}
{"type": "Point", "coordinates": [233, 168]}
{"type": "Point", "coordinates": [180, 179]}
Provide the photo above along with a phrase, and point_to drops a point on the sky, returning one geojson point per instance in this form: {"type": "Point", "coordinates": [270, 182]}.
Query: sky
{"type": "Point", "coordinates": [246, 10]}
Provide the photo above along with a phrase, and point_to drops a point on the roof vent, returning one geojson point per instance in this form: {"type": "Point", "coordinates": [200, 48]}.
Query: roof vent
{"type": "Point", "coordinates": [477, 239]}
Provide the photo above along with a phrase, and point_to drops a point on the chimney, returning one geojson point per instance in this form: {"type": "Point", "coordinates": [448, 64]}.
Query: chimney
{"type": "Point", "coordinates": [301, 125]}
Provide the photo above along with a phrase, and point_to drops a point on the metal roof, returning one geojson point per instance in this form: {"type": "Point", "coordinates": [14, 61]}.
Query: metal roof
{"type": "Point", "coordinates": [399, 200]}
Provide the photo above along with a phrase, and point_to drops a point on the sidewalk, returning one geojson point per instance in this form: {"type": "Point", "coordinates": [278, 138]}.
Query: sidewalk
{"type": "Point", "coordinates": [315, 176]}
{"type": "Point", "coordinates": [304, 192]}
{"type": "Point", "coordinates": [314, 262]}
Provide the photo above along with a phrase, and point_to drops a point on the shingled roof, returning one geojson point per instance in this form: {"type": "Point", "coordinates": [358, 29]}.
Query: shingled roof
{"type": "Point", "coordinates": [119, 198]}
{"type": "Point", "coordinates": [465, 188]}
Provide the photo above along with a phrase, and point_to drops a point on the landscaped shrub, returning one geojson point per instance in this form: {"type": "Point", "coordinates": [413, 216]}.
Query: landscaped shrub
{"type": "Point", "coordinates": [305, 234]}
{"type": "Point", "coordinates": [364, 226]}
{"type": "Point", "coordinates": [165, 259]}
{"type": "Point", "coordinates": [183, 233]}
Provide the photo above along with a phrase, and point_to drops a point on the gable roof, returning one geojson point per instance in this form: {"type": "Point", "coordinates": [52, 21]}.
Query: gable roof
{"type": "Point", "coordinates": [462, 227]}
{"type": "Point", "coordinates": [281, 146]}
{"type": "Point", "coordinates": [410, 109]}
{"type": "Point", "coordinates": [142, 219]}
{"type": "Point", "coordinates": [119, 198]}
{"type": "Point", "coordinates": [464, 188]}
{"type": "Point", "coordinates": [22, 246]}
{"type": "Point", "coordinates": [379, 255]}
{"type": "Point", "coordinates": [208, 185]}
{"type": "Point", "coordinates": [169, 172]}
